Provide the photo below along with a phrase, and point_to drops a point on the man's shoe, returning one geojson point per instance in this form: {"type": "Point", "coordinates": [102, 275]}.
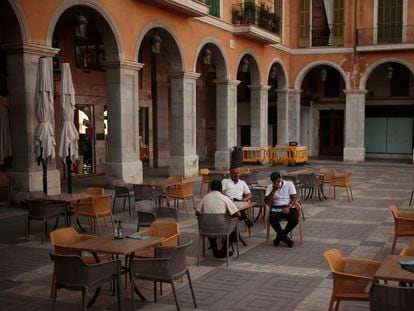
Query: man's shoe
{"type": "Point", "coordinates": [248, 222]}
{"type": "Point", "coordinates": [276, 241]}
{"type": "Point", "coordinates": [221, 254]}
{"type": "Point", "coordinates": [288, 241]}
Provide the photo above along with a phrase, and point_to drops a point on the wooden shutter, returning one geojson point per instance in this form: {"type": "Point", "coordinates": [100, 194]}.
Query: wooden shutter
{"type": "Point", "coordinates": [338, 23]}
{"type": "Point", "coordinates": [390, 21]}
{"type": "Point", "coordinates": [304, 23]}
{"type": "Point", "coordinates": [214, 7]}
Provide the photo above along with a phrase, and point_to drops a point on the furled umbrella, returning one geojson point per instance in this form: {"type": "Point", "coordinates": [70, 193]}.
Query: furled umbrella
{"type": "Point", "coordinates": [44, 135]}
{"type": "Point", "coordinates": [68, 148]}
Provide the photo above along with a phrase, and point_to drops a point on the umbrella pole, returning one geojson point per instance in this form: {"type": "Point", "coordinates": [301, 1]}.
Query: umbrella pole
{"type": "Point", "coordinates": [69, 171]}
{"type": "Point", "coordinates": [44, 167]}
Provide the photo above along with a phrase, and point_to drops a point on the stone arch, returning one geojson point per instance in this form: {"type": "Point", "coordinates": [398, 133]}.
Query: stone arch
{"type": "Point", "coordinates": [375, 65]}
{"type": "Point", "coordinates": [222, 67]}
{"type": "Point", "coordinates": [280, 75]}
{"type": "Point", "coordinates": [254, 66]}
{"type": "Point", "coordinates": [108, 30]}
{"type": "Point", "coordinates": [178, 63]}
{"type": "Point", "coordinates": [21, 19]}
{"type": "Point", "coordinates": [302, 74]}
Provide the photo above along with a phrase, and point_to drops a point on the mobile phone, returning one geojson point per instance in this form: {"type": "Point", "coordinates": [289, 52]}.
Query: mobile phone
{"type": "Point", "coordinates": [407, 262]}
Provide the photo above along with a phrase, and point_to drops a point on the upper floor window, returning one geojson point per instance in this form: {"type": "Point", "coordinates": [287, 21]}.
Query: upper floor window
{"type": "Point", "coordinates": [390, 21]}
{"type": "Point", "coordinates": [214, 6]}
{"type": "Point", "coordinates": [321, 22]}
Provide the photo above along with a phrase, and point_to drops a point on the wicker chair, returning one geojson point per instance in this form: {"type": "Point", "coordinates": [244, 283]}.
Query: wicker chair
{"type": "Point", "coordinates": [169, 265]}
{"type": "Point", "coordinates": [74, 274]}
{"type": "Point", "coordinates": [216, 226]}
{"type": "Point", "coordinates": [99, 206]}
{"type": "Point", "coordinates": [205, 179]}
{"type": "Point", "coordinates": [386, 297]}
{"type": "Point", "coordinates": [403, 224]}
{"type": "Point", "coordinates": [343, 181]}
{"type": "Point", "coordinates": [182, 191]}
{"type": "Point", "coordinates": [329, 174]}
{"type": "Point", "coordinates": [44, 210]}
{"type": "Point", "coordinates": [351, 277]}
{"type": "Point", "coordinates": [148, 212]}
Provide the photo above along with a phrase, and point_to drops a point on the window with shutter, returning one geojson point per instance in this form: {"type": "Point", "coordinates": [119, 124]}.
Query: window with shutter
{"type": "Point", "coordinates": [390, 21]}
{"type": "Point", "coordinates": [214, 6]}
{"type": "Point", "coordinates": [338, 22]}
{"type": "Point", "coordinates": [304, 23]}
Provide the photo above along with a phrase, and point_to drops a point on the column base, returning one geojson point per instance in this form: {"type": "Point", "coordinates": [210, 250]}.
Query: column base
{"type": "Point", "coordinates": [186, 166]}
{"type": "Point", "coordinates": [27, 185]}
{"type": "Point", "coordinates": [128, 172]}
{"type": "Point", "coordinates": [355, 155]}
{"type": "Point", "coordinates": [222, 160]}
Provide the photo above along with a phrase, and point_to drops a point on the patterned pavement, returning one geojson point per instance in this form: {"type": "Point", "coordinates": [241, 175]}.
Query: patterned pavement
{"type": "Point", "coordinates": [263, 278]}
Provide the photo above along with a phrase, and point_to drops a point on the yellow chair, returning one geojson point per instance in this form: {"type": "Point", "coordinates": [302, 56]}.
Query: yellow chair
{"type": "Point", "coordinates": [99, 206]}
{"type": "Point", "coordinates": [343, 181]}
{"type": "Point", "coordinates": [328, 176]}
{"type": "Point", "coordinates": [403, 224]}
{"type": "Point", "coordinates": [182, 191]}
{"type": "Point", "coordinates": [244, 170]}
{"type": "Point", "coordinates": [300, 222]}
{"type": "Point", "coordinates": [205, 179]}
{"type": "Point", "coordinates": [351, 277]}
{"type": "Point", "coordinates": [94, 191]}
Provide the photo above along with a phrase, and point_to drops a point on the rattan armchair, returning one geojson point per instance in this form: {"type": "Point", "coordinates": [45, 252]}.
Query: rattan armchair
{"type": "Point", "coordinates": [403, 224]}
{"type": "Point", "coordinates": [182, 191]}
{"type": "Point", "coordinates": [205, 179]}
{"type": "Point", "coordinates": [343, 181]}
{"type": "Point", "coordinates": [329, 174]}
{"type": "Point", "coordinates": [169, 265]}
{"type": "Point", "coordinates": [351, 277]}
{"type": "Point", "coordinates": [99, 206]}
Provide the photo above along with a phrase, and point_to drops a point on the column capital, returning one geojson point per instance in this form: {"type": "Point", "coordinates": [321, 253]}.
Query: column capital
{"type": "Point", "coordinates": [288, 91]}
{"type": "Point", "coordinates": [355, 91]}
{"type": "Point", "coordinates": [227, 82]}
{"type": "Point", "coordinates": [185, 75]}
{"type": "Point", "coordinates": [124, 64]}
{"type": "Point", "coordinates": [259, 87]}
{"type": "Point", "coordinates": [30, 48]}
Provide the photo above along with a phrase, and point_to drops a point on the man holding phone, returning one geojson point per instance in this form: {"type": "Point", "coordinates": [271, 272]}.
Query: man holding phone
{"type": "Point", "coordinates": [281, 197]}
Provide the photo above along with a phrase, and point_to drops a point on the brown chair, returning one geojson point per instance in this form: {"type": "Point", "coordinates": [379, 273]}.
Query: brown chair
{"type": "Point", "coordinates": [62, 238]}
{"type": "Point", "coordinates": [44, 210]}
{"type": "Point", "coordinates": [387, 297]}
{"type": "Point", "coordinates": [99, 206]}
{"type": "Point", "coordinates": [409, 250]}
{"type": "Point", "coordinates": [74, 274]}
{"type": "Point", "coordinates": [300, 222]}
{"type": "Point", "coordinates": [94, 191]}
{"type": "Point", "coordinates": [182, 191]}
{"type": "Point", "coordinates": [351, 277]}
{"type": "Point", "coordinates": [343, 181]}
{"type": "Point", "coordinates": [169, 265]}
{"type": "Point", "coordinates": [329, 174]}
{"type": "Point", "coordinates": [168, 230]}
{"type": "Point", "coordinates": [403, 224]}
{"type": "Point", "coordinates": [205, 179]}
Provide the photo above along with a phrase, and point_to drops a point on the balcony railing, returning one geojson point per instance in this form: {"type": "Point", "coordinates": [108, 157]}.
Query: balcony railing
{"type": "Point", "coordinates": [249, 14]}
{"type": "Point", "coordinates": [385, 35]}
{"type": "Point", "coordinates": [314, 36]}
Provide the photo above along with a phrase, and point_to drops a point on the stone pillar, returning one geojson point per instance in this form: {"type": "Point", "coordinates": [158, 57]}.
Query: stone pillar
{"type": "Point", "coordinates": [226, 122]}
{"type": "Point", "coordinates": [354, 150]}
{"type": "Point", "coordinates": [294, 115]}
{"type": "Point", "coordinates": [123, 161]}
{"type": "Point", "coordinates": [258, 115]}
{"type": "Point", "coordinates": [201, 123]}
{"type": "Point", "coordinates": [184, 159]}
{"type": "Point", "coordinates": [163, 124]}
{"type": "Point", "coordinates": [26, 175]}
{"type": "Point", "coordinates": [282, 116]}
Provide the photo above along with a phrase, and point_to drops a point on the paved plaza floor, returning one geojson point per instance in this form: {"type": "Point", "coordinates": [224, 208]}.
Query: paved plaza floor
{"type": "Point", "coordinates": [264, 277]}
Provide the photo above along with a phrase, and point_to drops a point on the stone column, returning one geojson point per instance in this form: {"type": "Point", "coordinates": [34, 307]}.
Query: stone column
{"type": "Point", "coordinates": [123, 161]}
{"type": "Point", "coordinates": [184, 159]}
{"type": "Point", "coordinates": [226, 122]}
{"type": "Point", "coordinates": [282, 116]}
{"type": "Point", "coordinates": [258, 115]}
{"type": "Point", "coordinates": [163, 125]}
{"type": "Point", "coordinates": [26, 175]}
{"type": "Point", "coordinates": [354, 150]}
{"type": "Point", "coordinates": [201, 123]}
{"type": "Point", "coordinates": [294, 115]}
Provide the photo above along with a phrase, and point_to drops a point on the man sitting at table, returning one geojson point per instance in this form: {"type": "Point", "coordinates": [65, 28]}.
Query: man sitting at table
{"type": "Point", "coordinates": [217, 203]}
{"type": "Point", "coordinates": [281, 196]}
{"type": "Point", "coordinates": [237, 190]}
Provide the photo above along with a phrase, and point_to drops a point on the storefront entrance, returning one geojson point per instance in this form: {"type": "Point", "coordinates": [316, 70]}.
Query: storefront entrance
{"type": "Point", "coordinates": [331, 132]}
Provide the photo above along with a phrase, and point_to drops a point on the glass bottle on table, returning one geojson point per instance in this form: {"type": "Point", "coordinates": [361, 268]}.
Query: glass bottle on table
{"type": "Point", "coordinates": [116, 235]}
{"type": "Point", "coordinates": [120, 230]}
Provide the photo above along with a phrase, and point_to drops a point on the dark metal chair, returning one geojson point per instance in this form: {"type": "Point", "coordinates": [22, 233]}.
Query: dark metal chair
{"type": "Point", "coordinates": [44, 210]}
{"type": "Point", "coordinates": [148, 211]}
{"type": "Point", "coordinates": [258, 195]}
{"type": "Point", "coordinates": [169, 264]}
{"type": "Point", "coordinates": [216, 226]}
{"type": "Point", "coordinates": [123, 191]}
{"type": "Point", "coordinates": [74, 274]}
{"type": "Point", "coordinates": [146, 192]}
{"type": "Point", "coordinates": [386, 297]}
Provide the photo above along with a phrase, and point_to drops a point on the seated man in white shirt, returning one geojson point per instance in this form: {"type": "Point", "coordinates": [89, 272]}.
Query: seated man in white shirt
{"type": "Point", "coordinates": [216, 202]}
{"type": "Point", "coordinates": [237, 190]}
{"type": "Point", "coordinates": [281, 197]}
